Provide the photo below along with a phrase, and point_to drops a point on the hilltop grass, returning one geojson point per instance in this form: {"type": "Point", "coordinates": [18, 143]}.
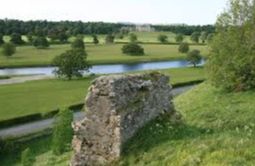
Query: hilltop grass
{"type": "Point", "coordinates": [46, 95]}
{"type": "Point", "coordinates": [217, 130]}
{"type": "Point", "coordinates": [97, 54]}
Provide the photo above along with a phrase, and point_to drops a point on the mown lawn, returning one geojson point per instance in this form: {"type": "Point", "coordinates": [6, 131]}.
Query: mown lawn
{"type": "Point", "coordinates": [97, 54]}
{"type": "Point", "coordinates": [217, 130]}
{"type": "Point", "coordinates": [47, 95]}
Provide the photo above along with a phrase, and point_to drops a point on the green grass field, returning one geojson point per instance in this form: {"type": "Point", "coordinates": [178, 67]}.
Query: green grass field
{"type": "Point", "coordinates": [97, 54]}
{"type": "Point", "coordinates": [47, 95]}
{"type": "Point", "coordinates": [217, 130]}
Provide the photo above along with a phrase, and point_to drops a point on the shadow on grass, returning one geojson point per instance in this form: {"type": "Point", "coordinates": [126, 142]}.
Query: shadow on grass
{"type": "Point", "coordinates": [158, 132]}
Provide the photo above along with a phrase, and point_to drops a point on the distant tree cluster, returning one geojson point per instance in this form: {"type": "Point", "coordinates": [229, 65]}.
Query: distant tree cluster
{"type": "Point", "coordinates": [185, 29]}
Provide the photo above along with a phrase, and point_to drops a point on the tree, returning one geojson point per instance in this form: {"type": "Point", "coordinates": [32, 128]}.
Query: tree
{"type": "Point", "coordinates": [16, 39]}
{"type": "Point", "coordinates": [8, 49]}
{"type": "Point", "coordinates": [27, 158]}
{"type": "Point", "coordinates": [232, 56]}
{"type": "Point", "coordinates": [62, 132]}
{"type": "Point", "coordinates": [132, 49]}
{"type": "Point", "coordinates": [195, 37]}
{"type": "Point", "coordinates": [132, 37]}
{"type": "Point", "coordinates": [71, 64]}
{"type": "Point", "coordinates": [183, 47]}
{"type": "Point", "coordinates": [1, 39]}
{"type": "Point", "coordinates": [209, 37]}
{"type": "Point", "coordinates": [162, 38]}
{"type": "Point", "coordinates": [179, 38]}
{"type": "Point", "coordinates": [78, 43]}
{"type": "Point", "coordinates": [109, 39]}
{"type": "Point", "coordinates": [194, 57]}
{"type": "Point", "coordinates": [203, 36]}
{"type": "Point", "coordinates": [95, 39]}
{"type": "Point", "coordinates": [41, 42]}
{"type": "Point", "coordinates": [30, 38]}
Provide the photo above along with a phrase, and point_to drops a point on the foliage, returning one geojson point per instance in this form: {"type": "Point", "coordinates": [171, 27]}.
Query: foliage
{"type": "Point", "coordinates": [210, 37]}
{"type": "Point", "coordinates": [179, 38]}
{"type": "Point", "coordinates": [194, 57]}
{"type": "Point", "coordinates": [195, 37]}
{"type": "Point", "coordinates": [16, 39]}
{"type": "Point", "coordinates": [27, 158]}
{"type": "Point", "coordinates": [162, 38]}
{"type": "Point", "coordinates": [71, 64]}
{"type": "Point", "coordinates": [203, 36]}
{"type": "Point", "coordinates": [232, 58]}
{"type": "Point", "coordinates": [183, 47]}
{"type": "Point", "coordinates": [132, 37]}
{"type": "Point", "coordinates": [1, 39]}
{"type": "Point", "coordinates": [95, 39]}
{"type": "Point", "coordinates": [8, 49]}
{"type": "Point", "coordinates": [78, 43]}
{"type": "Point", "coordinates": [62, 132]}
{"type": "Point", "coordinates": [41, 42]}
{"type": "Point", "coordinates": [109, 39]}
{"type": "Point", "coordinates": [132, 49]}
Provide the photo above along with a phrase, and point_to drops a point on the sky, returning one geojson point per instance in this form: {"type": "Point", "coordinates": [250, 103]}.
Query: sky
{"type": "Point", "coordinates": [192, 12]}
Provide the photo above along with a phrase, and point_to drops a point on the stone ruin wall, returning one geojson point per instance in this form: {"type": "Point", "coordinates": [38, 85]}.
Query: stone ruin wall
{"type": "Point", "coordinates": [116, 107]}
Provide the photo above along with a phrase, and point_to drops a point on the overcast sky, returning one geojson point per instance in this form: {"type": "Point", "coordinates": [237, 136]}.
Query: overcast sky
{"type": "Point", "coordinates": [136, 11]}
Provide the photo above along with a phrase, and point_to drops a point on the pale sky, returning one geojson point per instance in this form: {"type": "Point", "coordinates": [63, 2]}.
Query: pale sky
{"type": "Point", "coordinates": [191, 12]}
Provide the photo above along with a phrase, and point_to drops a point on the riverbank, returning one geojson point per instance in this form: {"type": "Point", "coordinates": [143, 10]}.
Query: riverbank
{"type": "Point", "coordinates": [28, 56]}
{"type": "Point", "coordinates": [44, 96]}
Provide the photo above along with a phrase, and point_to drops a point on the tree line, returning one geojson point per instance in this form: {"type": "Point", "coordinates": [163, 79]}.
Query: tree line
{"type": "Point", "coordinates": [68, 28]}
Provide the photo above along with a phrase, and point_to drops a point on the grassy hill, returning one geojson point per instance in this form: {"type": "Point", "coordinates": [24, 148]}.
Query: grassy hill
{"type": "Point", "coordinates": [217, 130]}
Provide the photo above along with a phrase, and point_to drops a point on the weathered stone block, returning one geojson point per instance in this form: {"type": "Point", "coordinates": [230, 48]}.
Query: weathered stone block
{"type": "Point", "coordinates": [116, 107]}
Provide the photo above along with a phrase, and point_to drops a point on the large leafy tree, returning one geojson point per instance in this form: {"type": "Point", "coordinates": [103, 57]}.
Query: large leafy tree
{"type": "Point", "coordinates": [16, 39]}
{"type": "Point", "coordinates": [71, 64]}
{"type": "Point", "coordinates": [8, 49]}
{"type": "Point", "coordinates": [232, 58]}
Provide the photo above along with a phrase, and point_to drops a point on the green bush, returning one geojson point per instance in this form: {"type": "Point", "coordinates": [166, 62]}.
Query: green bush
{"type": "Point", "coordinates": [71, 64]}
{"type": "Point", "coordinates": [109, 39]}
{"type": "Point", "coordinates": [62, 132]}
{"type": "Point", "coordinates": [95, 39]}
{"type": "Point", "coordinates": [194, 57]}
{"type": "Point", "coordinates": [162, 38]}
{"type": "Point", "coordinates": [132, 37]}
{"type": "Point", "coordinates": [232, 57]}
{"type": "Point", "coordinates": [179, 38]}
{"type": "Point", "coordinates": [8, 49]}
{"type": "Point", "coordinates": [78, 43]}
{"type": "Point", "coordinates": [195, 37]}
{"type": "Point", "coordinates": [1, 39]}
{"type": "Point", "coordinates": [41, 42]}
{"type": "Point", "coordinates": [183, 47]}
{"type": "Point", "coordinates": [27, 158]}
{"type": "Point", "coordinates": [16, 39]}
{"type": "Point", "coordinates": [132, 49]}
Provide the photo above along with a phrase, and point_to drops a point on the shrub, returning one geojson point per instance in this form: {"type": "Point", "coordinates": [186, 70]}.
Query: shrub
{"type": "Point", "coordinates": [109, 39]}
{"type": "Point", "coordinates": [232, 57]}
{"type": "Point", "coordinates": [95, 39]}
{"type": "Point", "coordinates": [183, 47]}
{"type": "Point", "coordinates": [78, 43]}
{"type": "Point", "coordinates": [132, 37]}
{"type": "Point", "coordinates": [16, 39]}
{"type": "Point", "coordinates": [71, 64]}
{"type": "Point", "coordinates": [162, 38]}
{"type": "Point", "coordinates": [203, 36]}
{"type": "Point", "coordinates": [27, 158]}
{"type": "Point", "coordinates": [133, 49]}
{"type": "Point", "coordinates": [179, 38]}
{"type": "Point", "coordinates": [1, 39]}
{"type": "Point", "coordinates": [41, 42]}
{"type": "Point", "coordinates": [8, 49]}
{"type": "Point", "coordinates": [195, 37]}
{"type": "Point", "coordinates": [194, 57]}
{"type": "Point", "coordinates": [62, 132]}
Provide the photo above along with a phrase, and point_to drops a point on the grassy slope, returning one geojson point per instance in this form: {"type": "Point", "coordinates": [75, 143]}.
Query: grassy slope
{"type": "Point", "coordinates": [218, 130]}
{"type": "Point", "coordinates": [97, 54]}
{"type": "Point", "coordinates": [46, 95]}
